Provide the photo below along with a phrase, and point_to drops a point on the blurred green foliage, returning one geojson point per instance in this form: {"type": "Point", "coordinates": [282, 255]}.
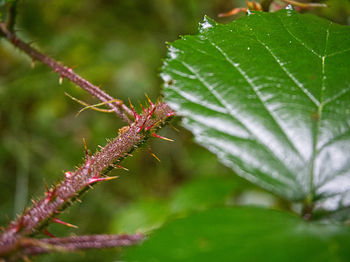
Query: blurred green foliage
{"type": "Point", "coordinates": [118, 45]}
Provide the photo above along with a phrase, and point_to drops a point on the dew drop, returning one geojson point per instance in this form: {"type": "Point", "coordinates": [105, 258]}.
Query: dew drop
{"type": "Point", "coordinates": [173, 52]}
{"type": "Point", "coordinates": [289, 7]}
{"type": "Point", "coordinates": [166, 78]}
{"type": "Point", "coordinates": [248, 48]}
{"type": "Point", "coordinates": [206, 25]}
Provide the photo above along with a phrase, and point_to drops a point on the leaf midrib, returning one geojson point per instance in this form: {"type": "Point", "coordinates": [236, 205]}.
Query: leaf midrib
{"type": "Point", "coordinates": [317, 103]}
{"type": "Point", "coordinates": [320, 111]}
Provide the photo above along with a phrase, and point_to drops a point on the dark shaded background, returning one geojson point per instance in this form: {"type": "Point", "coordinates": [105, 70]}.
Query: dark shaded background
{"type": "Point", "coordinates": [118, 45]}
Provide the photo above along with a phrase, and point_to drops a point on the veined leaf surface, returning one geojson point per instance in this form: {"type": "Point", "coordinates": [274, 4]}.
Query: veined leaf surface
{"type": "Point", "coordinates": [244, 234]}
{"type": "Point", "coordinates": [269, 95]}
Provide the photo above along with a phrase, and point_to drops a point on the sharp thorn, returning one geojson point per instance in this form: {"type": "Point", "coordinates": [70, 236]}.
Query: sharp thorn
{"type": "Point", "coordinates": [173, 127]}
{"type": "Point", "coordinates": [49, 194]}
{"type": "Point", "coordinates": [98, 179]}
{"type": "Point", "coordinates": [56, 220]}
{"type": "Point", "coordinates": [152, 154]}
{"type": "Point", "coordinates": [147, 118]}
{"type": "Point", "coordinates": [121, 167]}
{"type": "Point", "coordinates": [85, 148]}
{"type": "Point", "coordinates": [46, 232]}
{"type": "Point", "coordinates": [144, 110]}
{"type": "Point", "coordinates": [161, 137]}
{"type": "Point", "coordinates": [136, 116]}
{"type": "Point", "coordinates": [156, 123]}
{"type": "Point", "coordinates": [60, 80]}
{"type": "Point", "coordinates": [149, 100]}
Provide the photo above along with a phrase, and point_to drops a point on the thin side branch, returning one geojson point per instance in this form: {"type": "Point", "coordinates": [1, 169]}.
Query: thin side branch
{"type": "Point", "coordinates": [65, 72]}
{"type": "Point", "coordinates": [75, 243]}
{"type": "Point", "coordinates": [16, 240]}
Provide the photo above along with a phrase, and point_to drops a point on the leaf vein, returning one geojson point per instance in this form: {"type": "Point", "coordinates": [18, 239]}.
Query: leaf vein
{"type": "Point", "coordinates": [255, 90]}
{"type": "Point", "coordinates": [229, 111]}
{"type": "Point", "coordinates": [290, 75]}
{"type": "Point", "coordinates": [300, 42]}
{"type": "Point", "coordinates": [335, 97]}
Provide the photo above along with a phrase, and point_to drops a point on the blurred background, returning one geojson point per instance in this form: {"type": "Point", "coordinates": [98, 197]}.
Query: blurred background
{"type": "Point", "coordinates": [118, 45]}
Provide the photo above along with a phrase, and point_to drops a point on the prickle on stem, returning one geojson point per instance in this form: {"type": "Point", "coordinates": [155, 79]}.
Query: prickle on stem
{"type": "Point", "coordinates": [162, 137]}
{"type": "Point", "coordinates": [120, 167]}
{"type": "Point", "coordinates": [152, 154]}
{"type": "Point", "coordinates": [86, 149]}
{"type": "Point", "coordinates": [150, 101]}
{"type": "Point", "coordinates": [15, 227]}
{"type": "Point", "coordinates": [47, 233]}
{"type": "Point", "coordinates": [49, 195]}
{"type": "Point", "coordinates": [96, 179]}
{"type": "Point", "coordinates": [136, 116]}
{"type": "Point", "coordinates": [147, 118]}
{"type": "Point", "coordinates": [56, 220]}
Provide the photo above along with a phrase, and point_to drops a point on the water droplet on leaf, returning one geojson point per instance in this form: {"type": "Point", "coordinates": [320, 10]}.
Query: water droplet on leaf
{"type": "Point", "coordinates": [289, 7]}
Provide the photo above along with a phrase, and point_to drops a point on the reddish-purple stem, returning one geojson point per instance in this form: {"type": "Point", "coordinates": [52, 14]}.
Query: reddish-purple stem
{"type": "Point", "coordinates": [79, 243]}
{"type": "Point", "coordinates": [61, 195]}
{"type": "Point", "coordinates": [14, 238]}
{"type": "Point", "coordinates": [65, 72]}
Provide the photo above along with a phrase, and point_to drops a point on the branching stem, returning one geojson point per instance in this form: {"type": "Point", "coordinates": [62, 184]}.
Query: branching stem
{"type": "Point", "coordinates": [69, 244]}
{"type": "Point", "coordinates": [16, 240]}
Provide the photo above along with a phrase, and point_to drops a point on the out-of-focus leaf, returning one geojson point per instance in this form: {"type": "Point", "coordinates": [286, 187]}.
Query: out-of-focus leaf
{"type": "Point", "coordinates": [269, 94]}
{"type": "Point", "coordinates": [244, 234]}
{"type": "Point", "coordinates": [141, 217]}
{"type": "Point", "coordinates": [203, 193]}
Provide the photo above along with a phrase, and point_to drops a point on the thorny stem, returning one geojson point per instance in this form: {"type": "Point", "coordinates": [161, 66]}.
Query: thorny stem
{"type": "Point", "coordinates": [60, 196]}
{"type": "Point", "coordinates": [15, 240]}
{"type": "Point", "coordinates": [65, 72]}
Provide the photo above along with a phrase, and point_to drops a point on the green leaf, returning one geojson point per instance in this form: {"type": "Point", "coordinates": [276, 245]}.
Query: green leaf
{"type": "Point", "coordinates": [203, 193]}
{"type": "Point", "coordinates": [269, 95]}
{"type": "Point", "coordinates": [141, 217]}
{"type": "Point", "coordinates": [244, 234]}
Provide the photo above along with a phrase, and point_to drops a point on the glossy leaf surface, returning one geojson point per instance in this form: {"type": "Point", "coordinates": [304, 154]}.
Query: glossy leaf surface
{"type": "Point", "coordinates": [269, 95]}
{"type": "Point", "coordinates": [244, 234]}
